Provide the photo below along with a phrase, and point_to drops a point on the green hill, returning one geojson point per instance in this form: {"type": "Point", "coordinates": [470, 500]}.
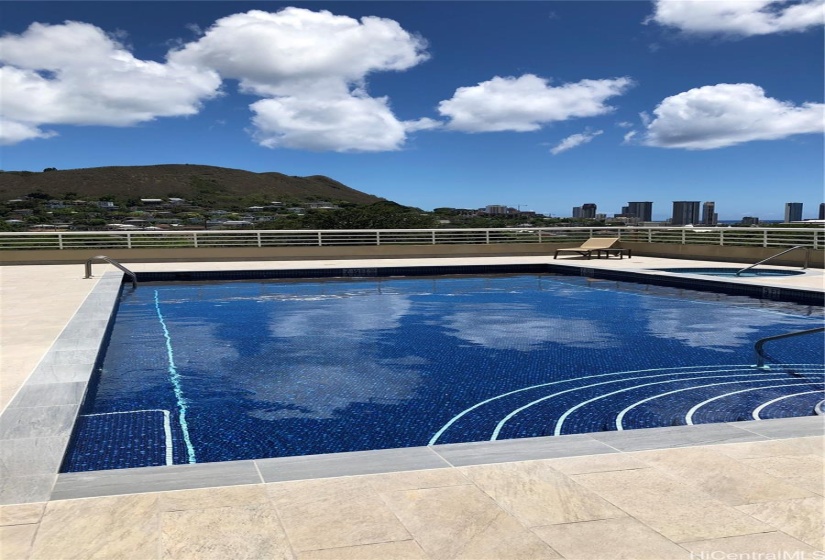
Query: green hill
{"type": "Point", "coordinates": [199, 184]}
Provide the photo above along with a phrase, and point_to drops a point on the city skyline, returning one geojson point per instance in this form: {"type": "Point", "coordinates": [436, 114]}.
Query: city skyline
{"type": "Point", "coordinates": [434, 104]}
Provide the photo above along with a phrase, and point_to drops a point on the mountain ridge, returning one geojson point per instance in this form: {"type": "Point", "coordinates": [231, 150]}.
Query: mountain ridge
{"type": "Point", "coordinates": [188, 181]}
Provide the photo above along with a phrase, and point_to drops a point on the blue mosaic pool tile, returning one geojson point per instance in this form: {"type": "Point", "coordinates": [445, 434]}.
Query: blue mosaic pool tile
{"type": "Point", "coordinates": [279, 368]}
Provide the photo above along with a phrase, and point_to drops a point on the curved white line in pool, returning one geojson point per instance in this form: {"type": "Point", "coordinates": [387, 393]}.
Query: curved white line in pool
{"type": "Point", "coordinates": [621, 415]}
{"type": "Point", "coordinates": [758, 410]}
{"type": "Point", "coordinates": [561, 419]}
{"type": "Point", "coordinates": [466, 411]}
{"type": "Point", "coordinates": [713, 371]}
{"type": "Point", "coordinates": [692, 411]}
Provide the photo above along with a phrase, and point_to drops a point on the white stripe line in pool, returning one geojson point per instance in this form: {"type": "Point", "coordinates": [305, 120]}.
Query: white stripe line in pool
{"type": "Point", "coordinates": [466, 411]}
{"type": "Point", "coordinates": [509, 417]}
{"type": "Point", "coordinates": [570, 411]}
{"type": "Point", "coordinates": [621, 415]}
{"type": "Point", "coordinates": [167, 428]}
{"type": "Point", "coordinates": [725, 373]}
{"type": "Point", "coordinates": [174, 377]}
{"type": "Point", "coordinates": [758, 410]}
{"type": "Point", "coordinates": [692, 411]}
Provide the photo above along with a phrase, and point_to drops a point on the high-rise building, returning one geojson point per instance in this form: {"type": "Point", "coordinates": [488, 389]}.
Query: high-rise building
{"type": "Point", "coordinates": [641, 210]}
{"type": "Point", "coordinates": [577, 211]}
{"type": "Point", "coordinates": [709, 217]}
{"type": "Point", "coordinates": [793, 212]}
{"type": "Point", "coordinates": [495, 209]}
{"type": "Point", "coordinates": [589, 211]}
{"type": "Point", "coordinates": [750, 221]}
{"type": "Point", "coordinates": [685, 212]}
{"type": "Point", "coordinates": [822, 210]}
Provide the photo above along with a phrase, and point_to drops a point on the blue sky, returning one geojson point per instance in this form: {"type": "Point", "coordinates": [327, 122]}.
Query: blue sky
{"type": "Point", "coordinates": [537, 105]}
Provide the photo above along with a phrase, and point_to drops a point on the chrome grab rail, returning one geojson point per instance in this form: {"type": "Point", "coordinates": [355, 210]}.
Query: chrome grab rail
{"type": "Point", "coordinates": [111, 261]}
{"type": "Point", "coordinates": [807, 252]}
{"type": "Point", "coordinates": [760, 357]}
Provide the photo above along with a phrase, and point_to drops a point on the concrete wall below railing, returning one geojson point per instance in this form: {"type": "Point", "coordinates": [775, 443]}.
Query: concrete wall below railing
{"type": "Point", "coordinates": [728, 253]}
{"type": "Point", "coordinates": [666, 250]}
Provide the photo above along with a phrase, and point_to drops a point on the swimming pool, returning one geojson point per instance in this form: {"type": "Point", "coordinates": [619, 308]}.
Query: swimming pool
{"type": "Point", "coordinates": [203, 372]}
{"type": "Point", "coordinates": [732, 272]}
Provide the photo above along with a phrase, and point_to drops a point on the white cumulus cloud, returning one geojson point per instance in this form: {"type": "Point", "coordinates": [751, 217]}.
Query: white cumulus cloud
{"type": "Point", "coordinates": [739, 17]}
{"type": "Point", "coordinates": [527, 103]}
{"type": "Point", "coordinates": [574, 140]}
{"type": "Point", "coordinates": [327, 123]}
{"type": "Point", "coordinates": [75, 74]}
{"type": "Point", "coordinates": [727, 114]}
{"type": "Point", "coordinates": [310, 68]}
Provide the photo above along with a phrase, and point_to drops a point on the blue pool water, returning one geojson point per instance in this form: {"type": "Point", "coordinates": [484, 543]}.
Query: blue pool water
{"type": "Point", "coordinates": [203, 372]}
{"type": "Point", "coordinates": [731, 272]}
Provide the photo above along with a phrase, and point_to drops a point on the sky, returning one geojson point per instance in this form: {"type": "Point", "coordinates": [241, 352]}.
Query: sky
{"type": "Point", "coordinates": [537, 105]}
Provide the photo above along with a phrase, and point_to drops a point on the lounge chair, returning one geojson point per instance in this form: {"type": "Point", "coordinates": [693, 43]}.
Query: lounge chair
{"type": "Point", "coordinates": [594, 244]}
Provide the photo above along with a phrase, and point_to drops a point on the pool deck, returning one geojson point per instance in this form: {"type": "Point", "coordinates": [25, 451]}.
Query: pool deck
{"type": "Point", "coordinates": [683, 492]}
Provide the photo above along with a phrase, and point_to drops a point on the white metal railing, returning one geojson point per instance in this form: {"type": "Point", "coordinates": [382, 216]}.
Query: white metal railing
{"type": "Point", "coordinates": [811, 237]}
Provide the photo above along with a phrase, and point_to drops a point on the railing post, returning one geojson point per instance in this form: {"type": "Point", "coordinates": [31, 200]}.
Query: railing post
{"type": "Point", "coordinates": [764, 237]}
{"type": "Point", "coordinates": [650, 235]}
{"type": "Point", "coordinates": [195, 239]}
{"type": "Point", "coordinates": [377, 238]}
{"type": "Point", "coordinates": [320, 240]}
{"type": "Point", "coordinates": [128, 240]}
{"type": "Point", "coordinates": [722, 237]}
{"type": "Point", "coordinates": [433, 236]}
{"type": "Point", "coordinates": [487, 236]}
{"type": "Point", "coordinates": [60, 241]}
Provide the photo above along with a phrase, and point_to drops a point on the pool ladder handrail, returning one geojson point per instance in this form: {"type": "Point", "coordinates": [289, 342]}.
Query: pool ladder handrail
{"type": "Point", "coordinates": [794, 248]}
{"type": "Point", "coordinates": [760, 357]}
{"type": "Point", "coordinates": [111, 261]}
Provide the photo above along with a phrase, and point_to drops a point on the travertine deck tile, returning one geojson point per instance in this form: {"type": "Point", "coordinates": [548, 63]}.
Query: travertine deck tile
{"type": "Point", "coordinates": [722, 477]}
{"type": "Point", "coordinates": [333, 513]}
{"type": "Point", "coordinates": [16, 541]}
{"type": "Point", "coordinates": [221, 497]}
{"type": "Point", "coordinates": [596, 463]}
{"type": "Point", "coordinates": [803, 519]}
{"type": "Point", "coordinates": [21, 514]}
{"type": "Point", "coordinates": [401, 550]}
{"type": "Point", "coordinates": [249, 532]}
{"type": "Point", "coordinates": [672, 507]}
{"type": "Point", "coordinates": [609, 539]}
{"type": "Point", "coordinates": [414, 480]}
{"type": "Point", "coordinates": [773, 448]}
{"type": "Point", "coordinates": [87, 532]}
{"type": "Point", "coordinates": [805, 471]}
{"type": "Point", "coordinates": [537, 494]}
{"type": "Point", "coordinates": [463, 522]}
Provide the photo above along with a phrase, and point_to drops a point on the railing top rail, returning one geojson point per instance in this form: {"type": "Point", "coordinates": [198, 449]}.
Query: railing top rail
{"type": "Point", "coordinates": [698, 229]}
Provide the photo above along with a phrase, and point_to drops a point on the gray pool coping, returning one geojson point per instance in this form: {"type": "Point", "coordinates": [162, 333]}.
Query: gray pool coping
{"type": "Point", "coordinates": [36, 426]}
{"type": "Point", "coordinates": [285, 469]}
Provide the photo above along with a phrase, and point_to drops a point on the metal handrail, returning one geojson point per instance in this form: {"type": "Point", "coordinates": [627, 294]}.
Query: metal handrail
{"type": "Point", "coordinates": [807, 252]}
{"type": "Point", "coordinates": [760, 357]}
{"type": "Point", "coordinates": [780, 238]}
{"type": "Point", "coordinates": [111, 261]}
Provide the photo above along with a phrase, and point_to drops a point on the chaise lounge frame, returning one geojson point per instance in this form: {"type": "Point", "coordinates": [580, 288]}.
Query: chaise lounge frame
{"type": "Point", "coordinates": [595, 245]}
